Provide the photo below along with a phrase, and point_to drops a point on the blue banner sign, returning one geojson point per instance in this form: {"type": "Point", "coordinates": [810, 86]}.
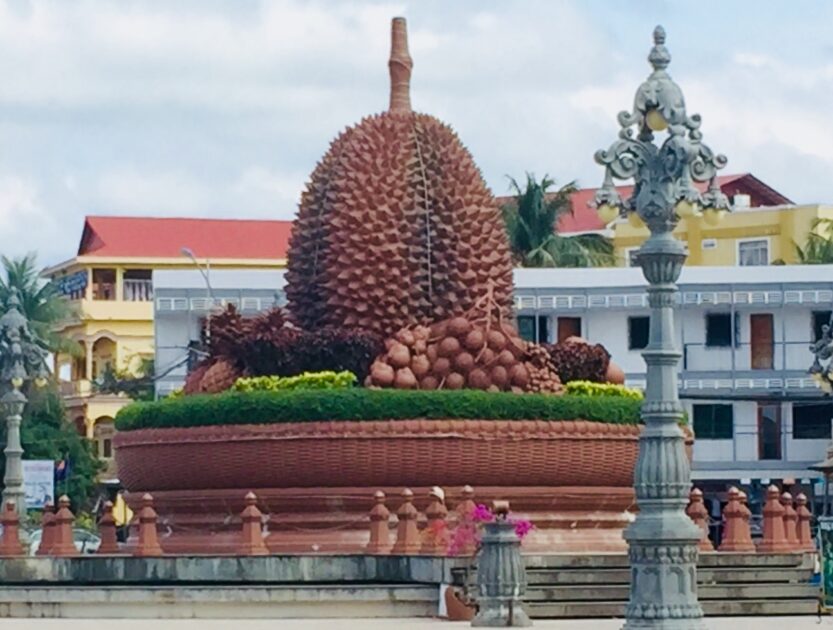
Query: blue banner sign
{"type": "Point", "coordinates": [72, 284]}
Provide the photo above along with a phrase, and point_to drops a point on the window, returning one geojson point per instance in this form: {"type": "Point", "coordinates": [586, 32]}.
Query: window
{"type": "Point", "coordinates": [753, 253]}
{"type": "Point", "coordinates": [568, 327]}
{"type": "Point", "coordinates": [769, 431]}
{"type": "Point", "coordinates": [820, 318]}
{"type": "Point", "coordinates": [714, 422]}
{"type": "Point", "coordinates": [811, 421]}
{"type": "Point", "coordinates": [138, 285]}
{"type": "Point", "coordinates": [719, 331]}
{"type": "Point", "coordinates": [527, 328]}
{"type": "Point", "coordinates": [638, 332]}
{"type": "Point", "coordinates": [633, 257]}
{"type": "Point", "coordinates": [104, 284]}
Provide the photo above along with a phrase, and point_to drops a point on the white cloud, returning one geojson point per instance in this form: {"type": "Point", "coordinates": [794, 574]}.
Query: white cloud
{"type": "Point", "coordinates": [152, 194]}
{"type": "Point", "coordinates": [222, 108]}
{"type": "Point", "coordinates": [20, 204]}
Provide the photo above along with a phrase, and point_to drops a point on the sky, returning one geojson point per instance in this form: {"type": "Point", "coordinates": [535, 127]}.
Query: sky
{"type": "Point", "coordinates": [215, 108]}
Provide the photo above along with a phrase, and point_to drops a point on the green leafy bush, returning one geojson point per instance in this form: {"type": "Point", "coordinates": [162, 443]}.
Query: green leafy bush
{"type": "Point", "coordinates": [307, 380]}
{"type": "Point", "coordinates": [589, 388]}
{"type": "Point", "coordinates": [262, 407]}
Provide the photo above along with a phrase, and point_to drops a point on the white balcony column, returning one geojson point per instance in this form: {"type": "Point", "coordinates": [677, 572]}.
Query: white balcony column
{"type": "Point", "coordinates": [119, 284]}
{"type": "Point", "coordinates": [88, 366]}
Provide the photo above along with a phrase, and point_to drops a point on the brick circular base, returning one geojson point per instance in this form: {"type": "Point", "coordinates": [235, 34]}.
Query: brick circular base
{"type": "Point", "coordinates": [379, 453]}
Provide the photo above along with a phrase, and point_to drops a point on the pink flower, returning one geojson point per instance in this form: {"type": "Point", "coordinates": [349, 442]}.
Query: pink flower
{"type": "Point", "coordinates": [522, 528]}
{"type": "Point", "coordinates": [482, 514]}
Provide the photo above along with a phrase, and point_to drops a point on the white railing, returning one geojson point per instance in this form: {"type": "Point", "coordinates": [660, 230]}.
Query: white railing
{"type": "Point", "coordinates": [138, 290]}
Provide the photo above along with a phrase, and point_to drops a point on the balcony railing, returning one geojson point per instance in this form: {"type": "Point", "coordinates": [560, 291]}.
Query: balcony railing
{"type": "Point", "coordinates": [138, 290]}
{"type": "Point", "coordinates": [777, 356]}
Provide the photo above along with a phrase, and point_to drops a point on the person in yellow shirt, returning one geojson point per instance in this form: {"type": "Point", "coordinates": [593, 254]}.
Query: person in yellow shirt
{"type": "Point", "coordinates": [122, 515]}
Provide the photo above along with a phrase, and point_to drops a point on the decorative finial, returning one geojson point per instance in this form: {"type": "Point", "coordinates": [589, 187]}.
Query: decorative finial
{"type": "Point", "coordinates": [400, 65]}
{"type": "Point", "coordinates": [659, 56]}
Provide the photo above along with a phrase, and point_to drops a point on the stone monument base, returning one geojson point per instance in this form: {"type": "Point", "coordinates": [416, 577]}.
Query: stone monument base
{"type": "Point", "coordinates": [335, 520]}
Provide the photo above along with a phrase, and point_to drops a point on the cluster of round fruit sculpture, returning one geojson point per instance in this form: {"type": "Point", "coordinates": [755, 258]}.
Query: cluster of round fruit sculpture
{"type": "Point", "coordinates": [476, 350]}
{"type": "Point", "coordinates": [398, 236]}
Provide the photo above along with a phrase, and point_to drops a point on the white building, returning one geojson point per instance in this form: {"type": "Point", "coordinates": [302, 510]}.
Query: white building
{"type": "Point", "coordinates": [181, 305]}
{"type": "Point", "coordinates": [744, 333]}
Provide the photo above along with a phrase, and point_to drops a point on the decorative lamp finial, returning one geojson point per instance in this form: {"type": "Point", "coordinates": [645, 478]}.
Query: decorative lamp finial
{"type": "Point", "coordinates": [400, 65]}
{"type": "Point", "coordinates": [659, 56]}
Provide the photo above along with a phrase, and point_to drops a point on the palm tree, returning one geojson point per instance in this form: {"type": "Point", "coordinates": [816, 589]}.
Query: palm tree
{"type": "Point", "coordinates": [818, 250]}
{"type": "Point", "coordinates": [40, 301]}
{"type": "Point", "coordinates": [532, 225]}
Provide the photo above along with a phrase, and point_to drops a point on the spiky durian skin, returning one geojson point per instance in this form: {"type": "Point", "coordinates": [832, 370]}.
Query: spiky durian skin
{"type": "Point", "coordinates": [395, 228]}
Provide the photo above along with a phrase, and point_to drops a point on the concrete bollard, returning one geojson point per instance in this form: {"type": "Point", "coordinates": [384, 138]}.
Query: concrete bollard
{"type": "Point", "coordinates": [251, 538]}
{"type": "Point", "coordinates": [148, 539]}
{"type": "Point", "coordinates": [379, 526]}
{"type": "Point", "coordinates": [435, 531]}
{"type": "Point", "coordinates": [790, 521]}
{"type": "Point", "coordinates": [734, 537]}
{"type": "Point", "coordinates": [10, 539]}
{"type": "Point", "coordinates": [107, 531]}
{"type": "Point", "coordinates": [407, 532]}
{"type": "Point", "coordinates": [501, 575]}
{"type": "Point", "coordinates": [805, 536]}
{"type": "Point", "coordinates": [47, 526]}
{"type": "Point", "coordinates": [746, 530]}
{"type": "Point", "coordinates": [463, 513]}
{"type": "Point", "coordinates": [698, 513]}
{"type": "Point", "coordinates": [62, 542]}
{"type": "Point", "coordinates": [774, 540]}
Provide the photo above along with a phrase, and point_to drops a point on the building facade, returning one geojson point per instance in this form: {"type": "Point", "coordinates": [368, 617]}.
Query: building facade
{"type": "Point", "coordinates": [110, 286]}
{"type": "Point", "coordinates": [744, 334]}
{"type": "Point", "coordinates": [183, 308]}
{"type": "Point", "coordinates": [749, 236]}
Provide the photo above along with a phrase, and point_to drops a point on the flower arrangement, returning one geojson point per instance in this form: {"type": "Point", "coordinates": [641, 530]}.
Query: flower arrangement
{"type": "Point", "coordinates": [466, 536]}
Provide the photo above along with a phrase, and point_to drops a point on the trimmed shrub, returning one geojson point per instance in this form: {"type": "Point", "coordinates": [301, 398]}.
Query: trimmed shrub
{"type": "Point", "coordinates": [262, 407]}
{"type": "Point", "coordinates": [589, 388]}
{"type": "Point", "coordinates": [307, 380]}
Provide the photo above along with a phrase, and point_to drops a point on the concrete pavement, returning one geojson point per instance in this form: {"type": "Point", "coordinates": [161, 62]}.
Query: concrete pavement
{"type": "Point", "coordinates": [735, 623]}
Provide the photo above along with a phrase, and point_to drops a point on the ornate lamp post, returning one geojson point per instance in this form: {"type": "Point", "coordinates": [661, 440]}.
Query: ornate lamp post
{"type": "Point", "coordinates": [662, 539]}
{"type": "Point", "coordinates": [21, 358]}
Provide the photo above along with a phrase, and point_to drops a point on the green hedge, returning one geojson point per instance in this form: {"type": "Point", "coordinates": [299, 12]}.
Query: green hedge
{"type": "Point", "coordinates": [368, 404]}
{"type": "Point", "coordinates": [588, 388]}
{"type": "Point", "coordinates": [307, 380]}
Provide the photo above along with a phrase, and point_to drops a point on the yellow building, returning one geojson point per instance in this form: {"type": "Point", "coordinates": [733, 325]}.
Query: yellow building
{"type": "Point", "coordinates": [763, 229]}
{"type": "Point", "coordinates": [748, 236]}
{"type": "Point", "coordinates": [109, 283]}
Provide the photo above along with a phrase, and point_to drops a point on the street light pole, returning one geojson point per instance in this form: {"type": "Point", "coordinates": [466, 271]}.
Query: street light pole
{"type": "Point", "coordinates": [662, 539]}
{"type": "Point", "coordinates": [20, 351]}
{"type": "Point", "coordinates": [206, 275]}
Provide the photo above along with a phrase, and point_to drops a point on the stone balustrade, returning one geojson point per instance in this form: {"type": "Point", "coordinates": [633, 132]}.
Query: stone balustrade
{"type": "Point", "coordinates": [786, 527]}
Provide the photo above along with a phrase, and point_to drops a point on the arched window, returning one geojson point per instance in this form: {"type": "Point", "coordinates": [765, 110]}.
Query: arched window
{"type": "Point", "coordinates": [103, 433]}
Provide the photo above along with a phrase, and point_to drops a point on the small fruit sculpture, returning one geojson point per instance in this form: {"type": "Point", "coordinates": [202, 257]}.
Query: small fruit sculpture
{"type": "Point", "coordinates": [478, 350]}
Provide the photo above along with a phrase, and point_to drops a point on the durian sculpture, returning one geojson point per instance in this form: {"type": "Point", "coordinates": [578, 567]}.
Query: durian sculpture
{"type": "Point", "coordinates": [396, 227]}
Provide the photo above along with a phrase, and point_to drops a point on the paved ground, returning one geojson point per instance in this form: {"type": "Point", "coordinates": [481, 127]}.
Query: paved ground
{"type": "Point", "coordinates": [755, 623]}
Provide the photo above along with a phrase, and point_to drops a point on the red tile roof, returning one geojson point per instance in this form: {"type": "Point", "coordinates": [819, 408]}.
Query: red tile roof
{"type": "Point", "coordinates": [149, 237]}
{"type": "Point", "coordinates": [585, 219]}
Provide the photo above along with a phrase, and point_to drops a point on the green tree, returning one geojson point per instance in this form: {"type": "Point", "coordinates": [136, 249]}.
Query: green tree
{"type": "Point", "coordinates": [818, 250]}
{"type": "Point", "coordinates": [532, 225]}
{"type": "Point", "coordinates": [45, 433]}
{"type": "Point", "coordinates": [40, 301]}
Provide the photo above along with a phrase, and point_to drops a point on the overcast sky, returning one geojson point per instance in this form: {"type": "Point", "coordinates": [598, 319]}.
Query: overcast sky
{"type": "Point", "coordinates": [222, 108]}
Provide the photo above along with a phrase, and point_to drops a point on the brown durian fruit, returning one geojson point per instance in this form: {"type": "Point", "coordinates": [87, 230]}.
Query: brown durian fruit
{"type": "Point", "coordinates": [219, 377]}
{"type": "Point", "coordinates": [396, 227]}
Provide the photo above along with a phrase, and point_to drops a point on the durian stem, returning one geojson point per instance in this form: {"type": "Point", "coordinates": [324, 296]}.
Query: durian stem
{"type": "Point", "coordinates": [400, 65]}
